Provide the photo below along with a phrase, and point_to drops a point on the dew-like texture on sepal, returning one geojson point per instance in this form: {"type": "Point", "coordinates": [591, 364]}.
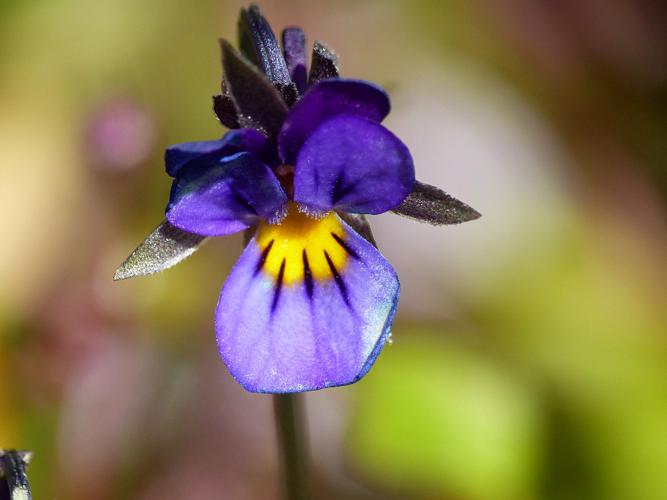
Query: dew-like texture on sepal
{"type": "Point", "coordinates": [225, 198]}
{"type": "Point", "coordinates": [165, 247]}
{"type": "Point", "coordinates": [235, 141]}
{"type": "Point", "coordinates": [432, 205]}
{"type": "Point", "coordinates": [308, 334]}
{"type": "Point", "coordinates": [259, 103]}
{"type": "Point", "coordinates": [353, 164]}
{"type": "Point", "coordinates": [294, 49]}
{"type": "Point", "coordinates": [325, 100]}
{"type": "Point", "coordinates": [258, 43]}
{"type": "Point", "coordinates": [323, 64]}
{"type": "Point", "coordinates": [289, 92]}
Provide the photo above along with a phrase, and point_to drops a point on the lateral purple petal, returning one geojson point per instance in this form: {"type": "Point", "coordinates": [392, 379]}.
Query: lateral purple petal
{"type": "Point", "coordinates": [224, 198]}
{"type": "Point", "coordinates": [325, 99]}
{"type": "Point", "coordinates": [355, 165]}
{"type": "Point", "coordinates": [234, 141]}
{"type": "Point", "coordinates": [311, 334]}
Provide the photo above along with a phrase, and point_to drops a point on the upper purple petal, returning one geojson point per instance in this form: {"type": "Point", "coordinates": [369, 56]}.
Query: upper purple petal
{"type": "Point", "coordinates": [355, 165]}
{"type": "Point", "coordinates": [234, 141]}
{"type": "Point", "coordinates": [219, 199]}
{"type": "Point", "coordinates": [308, 335]}
{"type": "Point", "coordinates": [324, 100]}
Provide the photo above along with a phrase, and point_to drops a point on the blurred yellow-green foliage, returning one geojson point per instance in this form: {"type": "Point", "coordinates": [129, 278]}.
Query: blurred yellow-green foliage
{"type": "Point", "coordinates": [529, 356]}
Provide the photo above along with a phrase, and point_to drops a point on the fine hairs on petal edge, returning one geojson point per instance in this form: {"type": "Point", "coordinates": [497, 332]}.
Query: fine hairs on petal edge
{"type": "Point", "coordinates": [312, 212]}
{"type": "Point", "coordinates": [279, 215]}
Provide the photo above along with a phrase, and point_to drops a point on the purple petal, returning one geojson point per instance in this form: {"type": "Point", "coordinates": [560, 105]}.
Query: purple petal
{"type": "Point", "coordinates": [355, 165]}
{"type": "Point", "coordinates": [293, 318]}
{"type": "Point", "coordinates": [324, 100]}
{"type": "Point", "coordinates": [234, 141]}
{"type": "Point", "coordinates": [294, 48]}
{"type": "Point", "coordinates": [226, 197]}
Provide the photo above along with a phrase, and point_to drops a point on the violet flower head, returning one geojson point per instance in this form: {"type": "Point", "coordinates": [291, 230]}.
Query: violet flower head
{"type": "Point", "coordinates": [311, 300]}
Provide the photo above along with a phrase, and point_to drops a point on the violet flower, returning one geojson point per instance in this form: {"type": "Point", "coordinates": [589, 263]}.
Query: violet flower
{"type": "Point", "coordinates": [311, 301]}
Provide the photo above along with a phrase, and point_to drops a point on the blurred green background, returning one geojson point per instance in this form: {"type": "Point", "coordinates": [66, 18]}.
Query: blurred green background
{"type": "Point", "coordinates": [529, 355]}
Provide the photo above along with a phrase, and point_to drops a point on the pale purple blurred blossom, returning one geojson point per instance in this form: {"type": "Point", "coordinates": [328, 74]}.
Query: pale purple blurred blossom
{"type": "Point", "coordinates": [104, 414]}
{"type": "Point", "coordinates": [228, 444]}
{"type": "Point", "coordinates": [572, 37]}
{"type": "Point", "coordinates": [120, 135]}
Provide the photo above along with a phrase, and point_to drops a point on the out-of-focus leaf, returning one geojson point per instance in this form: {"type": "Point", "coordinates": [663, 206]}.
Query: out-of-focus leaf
{"type": "Point", "coordinates": [165, 247]}
{"type": "Point", "coordinates": [430, 204]}
{"type": "Point", "coordinates": [438, 421]}
{"type": "Point", "coordinates": [594, 333]}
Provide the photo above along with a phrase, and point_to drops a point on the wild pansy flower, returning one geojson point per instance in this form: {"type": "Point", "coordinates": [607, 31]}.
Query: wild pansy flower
{"type": "Point", "coordinates": [311, 301]}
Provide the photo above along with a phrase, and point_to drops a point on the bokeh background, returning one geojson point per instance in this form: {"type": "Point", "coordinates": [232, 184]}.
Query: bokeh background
{"type": "Point", "coordinates": [529, 356]}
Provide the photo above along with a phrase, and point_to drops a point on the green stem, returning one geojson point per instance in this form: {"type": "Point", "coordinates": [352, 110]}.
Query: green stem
{"type": "Point", "coordinates": [292, 442]}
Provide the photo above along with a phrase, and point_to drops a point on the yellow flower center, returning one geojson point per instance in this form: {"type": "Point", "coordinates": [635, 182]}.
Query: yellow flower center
{"type": "Point", "coordinates": [303, 248]}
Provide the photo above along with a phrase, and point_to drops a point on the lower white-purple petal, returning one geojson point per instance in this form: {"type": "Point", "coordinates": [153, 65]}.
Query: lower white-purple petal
{"type": "Point", "coordinates": [310, 334]}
